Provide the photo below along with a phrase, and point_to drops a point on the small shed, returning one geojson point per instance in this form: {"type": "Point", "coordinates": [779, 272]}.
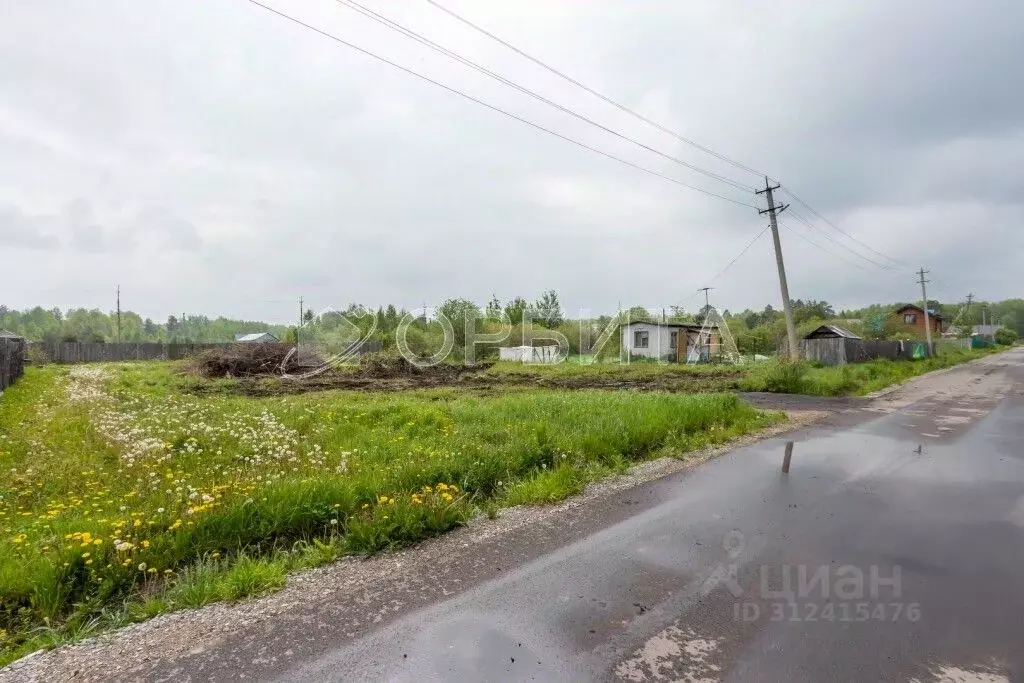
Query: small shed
{"type": "Point", "coordinates": [256, 338]}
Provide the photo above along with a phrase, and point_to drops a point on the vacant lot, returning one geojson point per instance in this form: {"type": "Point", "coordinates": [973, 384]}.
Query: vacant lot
{"type": "Point", "coordinates": [389, 373]}
{"type": "Point", "coordinates": [123, 494]}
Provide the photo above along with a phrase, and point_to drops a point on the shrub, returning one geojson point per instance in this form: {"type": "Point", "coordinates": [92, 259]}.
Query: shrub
{"type": "Point", "coordinates": [1005, 336]}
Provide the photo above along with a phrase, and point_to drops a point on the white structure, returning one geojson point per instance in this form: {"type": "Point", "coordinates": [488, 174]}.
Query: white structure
{"type": "Point", "coordinates": [662, 341]}
{"type": "Point", "coordinates": [529, 354]}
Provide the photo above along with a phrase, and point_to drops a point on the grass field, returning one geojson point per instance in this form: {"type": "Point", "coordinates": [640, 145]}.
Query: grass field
{"type": "Point", "coordinates": [123, 495]}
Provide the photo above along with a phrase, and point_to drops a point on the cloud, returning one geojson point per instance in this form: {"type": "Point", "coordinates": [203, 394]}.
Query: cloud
{"type": "Point", "coordinates": [21, 231]}
{"type": "Point", "coordinates": [248, 161]}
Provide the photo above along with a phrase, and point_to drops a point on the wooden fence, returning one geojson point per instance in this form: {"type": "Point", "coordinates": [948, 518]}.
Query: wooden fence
{"type": "Point", "coordinates": [95, 352]}
{"type": "Point", "coordinates": [839, 351]}
{"type": "Point", "coordinates": [12, 360]}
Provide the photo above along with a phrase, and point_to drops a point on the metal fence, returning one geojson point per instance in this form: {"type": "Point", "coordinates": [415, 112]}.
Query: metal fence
{"type": "Point", "coordinates": [96, 352]}
{"type": "Point", "coordinates": [12, 360]}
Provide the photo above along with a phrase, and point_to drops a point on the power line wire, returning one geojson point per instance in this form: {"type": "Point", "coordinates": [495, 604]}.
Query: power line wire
{"type": "Point", "coordinates": [409, 33]}
{"type": "Point", "coordinates": [827, 251]}
{"type": "Point", "coordinates": [829, 223]}
{"type": "Point", "coordinates": [829, 237]}
{"type": "Point", "coordinates": [653, 123]}
{"type": "Point", "coordinates": [731, 263]}
{"type": "Point", "coordinates": [495, 108]}
{"type": "Point", "coordinates": [596, 93]}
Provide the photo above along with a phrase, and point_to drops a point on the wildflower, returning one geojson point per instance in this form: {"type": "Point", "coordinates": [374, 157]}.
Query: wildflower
{"type": "Point", "coordinates": [382, 500]}
{"type": "Point", "coordinates": [446, 496]}
{"type": "Point", "coordinates": [334, 522]}
{"type": "Point", "coordinates": [142, 566]}
{"type": "Point", "coordinates": [366, 505]}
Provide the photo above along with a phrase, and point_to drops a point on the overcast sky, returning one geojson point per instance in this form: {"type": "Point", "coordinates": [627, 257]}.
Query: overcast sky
{"type": "Point", "coordinates": [215, 158]}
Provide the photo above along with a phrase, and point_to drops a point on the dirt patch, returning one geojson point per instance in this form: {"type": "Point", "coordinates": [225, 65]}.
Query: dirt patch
{"type": "Point", "coordinates": [473, 379]}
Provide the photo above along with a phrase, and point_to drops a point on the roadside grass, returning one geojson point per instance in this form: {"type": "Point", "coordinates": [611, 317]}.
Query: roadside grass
{"type": "Point", "coordinates": [855, 379]}
{"type": "Point", "coordinates": [123, 496]}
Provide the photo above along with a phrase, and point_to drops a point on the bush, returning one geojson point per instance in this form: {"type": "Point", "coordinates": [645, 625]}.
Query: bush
{"type": "Point", "coordinates": [1005, 336]}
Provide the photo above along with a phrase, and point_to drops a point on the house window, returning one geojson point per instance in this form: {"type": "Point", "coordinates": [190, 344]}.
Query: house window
{"type": "Point", "coordinates": [910, 318]}
{"type": "Point", "coordinates": [641, 339]}
{"type": "Point", "coordinates": [673, 340]}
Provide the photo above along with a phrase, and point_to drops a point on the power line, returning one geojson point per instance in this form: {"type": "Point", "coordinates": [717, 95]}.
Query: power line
{"type": "Point", "coordinates": [827, 251]}
{"type": "Point", "coordinates": [409, 33]}
{"type": "Point", "coordinates": [829, 237]}
{"type": "Point", "coordinates": [731, 263]}
{"type": "Point", "coordinates": [829, 223]}
{"type": "Point", "coordinates": [655, 124]}
{"type": "Point", "coordinates": [595, 93]}
{"type": "Point", "coordinates": [493, 107]}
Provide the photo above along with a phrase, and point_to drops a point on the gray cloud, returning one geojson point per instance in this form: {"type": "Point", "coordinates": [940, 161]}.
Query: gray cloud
{"type": "Point", "coordinates": [20, 230]}
{"type": "Point", "coordinates": [225, 161]}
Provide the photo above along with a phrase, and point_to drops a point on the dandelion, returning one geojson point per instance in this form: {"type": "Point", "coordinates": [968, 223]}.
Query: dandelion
{"type": "Point", "coordinates": [142, 566]}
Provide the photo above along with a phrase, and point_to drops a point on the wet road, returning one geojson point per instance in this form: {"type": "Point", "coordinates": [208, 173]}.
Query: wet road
{"type": "Point", "coordinates": [893, 549]}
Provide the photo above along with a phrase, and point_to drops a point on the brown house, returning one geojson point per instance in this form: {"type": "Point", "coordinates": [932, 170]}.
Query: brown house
{"type": "Point", "coordinates": [911, 319]}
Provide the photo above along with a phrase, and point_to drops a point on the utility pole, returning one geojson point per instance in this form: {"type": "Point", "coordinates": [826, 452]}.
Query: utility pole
{"type": "Point", "coordinates": [924, 302]}
{"type": "Point", "coordinates": [967, 308]}
{"type": "Point", "coordinates": [787, 307]}
{"type": "Point", "coordinates": [119, 314]}
{"type": "Point", "coordinates": [707, 302]}
{"type": "Point", "coordinates": [300, 325]}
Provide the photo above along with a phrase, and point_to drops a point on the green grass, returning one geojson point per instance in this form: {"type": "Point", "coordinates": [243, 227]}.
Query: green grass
{"type": "Point", "coordinates": [855, 379]}
{"type": "Point", "coordinates": [122, 495]}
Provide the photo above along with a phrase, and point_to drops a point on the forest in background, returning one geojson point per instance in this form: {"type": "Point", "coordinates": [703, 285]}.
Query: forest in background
{"type": "Point", "coordinates": [754, 331]}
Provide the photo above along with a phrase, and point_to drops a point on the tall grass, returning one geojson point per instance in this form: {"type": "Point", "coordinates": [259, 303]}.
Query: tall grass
{"type": "Point", "coordinates": [854, 379]}
{"type": "Point", "coordinates": [118, 489]}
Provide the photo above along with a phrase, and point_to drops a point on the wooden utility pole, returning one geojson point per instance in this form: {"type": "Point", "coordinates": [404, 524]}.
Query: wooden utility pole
{"type": "Point", "coordinates": [300, 325]}
{"type": "Point", "coordinates": [787, 307]}
{"type": "Point", "coordinates": [119, 314]}
{"type": "Point", "coordinates": [924, 306]}
{"type": "Point", "coordinates": [707, 301]}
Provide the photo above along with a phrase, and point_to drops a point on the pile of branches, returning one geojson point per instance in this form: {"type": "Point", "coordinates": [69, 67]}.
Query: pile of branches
{"type": "Point", "coordinates": [244, 360]}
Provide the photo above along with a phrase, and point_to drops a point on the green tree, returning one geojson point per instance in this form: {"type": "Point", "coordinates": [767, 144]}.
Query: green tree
{"type": "Point", "coordinates": [463, 315]}
{"type": "Point", "coordinates": [547, 310]}
{"type": "Point", "coordinates": [515, 310]}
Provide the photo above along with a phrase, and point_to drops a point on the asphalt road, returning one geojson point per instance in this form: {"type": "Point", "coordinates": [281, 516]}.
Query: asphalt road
{"type": "Point", "coordinates": [892, 550]}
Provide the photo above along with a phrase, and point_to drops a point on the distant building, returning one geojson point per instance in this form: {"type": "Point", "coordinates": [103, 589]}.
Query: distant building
{"type": "Point", "coordinates": [911, 318]}
{"type": "Point", "coordinates": [9, 335]}
{"type": "Point", "coordinates": [256, 338]}
{"type": "Point", "coordinates": [672, 342]}
{"type": "Point", "coordinates": [985, 331]}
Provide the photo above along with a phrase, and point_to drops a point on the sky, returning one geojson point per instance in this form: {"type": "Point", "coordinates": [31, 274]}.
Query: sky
{"type": "Point", "coordinates": [214, 158]}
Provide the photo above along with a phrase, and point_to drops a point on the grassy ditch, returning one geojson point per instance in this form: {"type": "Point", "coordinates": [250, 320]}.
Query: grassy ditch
{"type": "Point", "coordinates": [848, 380]}
{"type": "Point", "coordinates": [122, 496]}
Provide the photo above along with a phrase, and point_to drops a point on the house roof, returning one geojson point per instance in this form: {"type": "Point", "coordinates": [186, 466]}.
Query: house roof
{"type": "Point", "coordinates": [253, 336]}
{"type": "Point", "coordinates": [685, 326]}
{"type": "Point", "coordinates": [9, 335]}
{"type": "Point", "coordinates": [830, 331]}
{"type": "Point", "coordinates": [931, 313]}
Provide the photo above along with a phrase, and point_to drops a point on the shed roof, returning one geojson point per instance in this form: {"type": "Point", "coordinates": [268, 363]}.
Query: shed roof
{"type": "Point", "coordinates": [9, 335]}
{"type": "Point", "coordinates": [830, 331]}
{"type": "Point", "coordinates": [254, 336]}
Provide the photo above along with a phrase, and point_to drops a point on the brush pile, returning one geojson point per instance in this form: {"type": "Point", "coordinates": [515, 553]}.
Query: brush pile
{"type": "Point", "coordinates": [246, 360]}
